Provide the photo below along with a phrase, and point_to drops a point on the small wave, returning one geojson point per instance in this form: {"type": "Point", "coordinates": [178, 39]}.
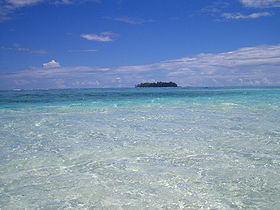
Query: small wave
{"type": "Point", "coordinates": [229, 104]}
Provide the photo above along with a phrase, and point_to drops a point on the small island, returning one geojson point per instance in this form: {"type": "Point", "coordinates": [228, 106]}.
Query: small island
{"type": "Point", "coordinates": [156, 84]}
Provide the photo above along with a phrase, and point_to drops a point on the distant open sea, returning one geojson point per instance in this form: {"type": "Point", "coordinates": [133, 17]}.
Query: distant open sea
{"type": "Point", "coordinates": [150, 148]}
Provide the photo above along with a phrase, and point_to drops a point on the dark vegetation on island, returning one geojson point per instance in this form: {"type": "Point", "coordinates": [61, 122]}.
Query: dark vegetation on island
{"type": "Point", "coordinates": [156, 84]}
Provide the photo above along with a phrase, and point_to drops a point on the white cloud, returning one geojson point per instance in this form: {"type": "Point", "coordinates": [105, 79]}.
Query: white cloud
{"type": "Point", "coordinates": [241, 16]}
{"type": "Point", "coordinates": [261, 3]}
{"type": "Point", "coordinates": [102, 37]}
{"type": "Point", "coordinates": [219, 9]}
{"type": "Point", "coordinates": [8, 7]}
{"type": "Point", "coordinates": [251, 64]}
{"type": "Point", "coordinates": [246, 66]}
{"type": "Point", "coordinates": [21, 3]}
{"type": "Point", "coordinates": [260, 55]}
{"type": "Point", "coordinates": [51, 64]}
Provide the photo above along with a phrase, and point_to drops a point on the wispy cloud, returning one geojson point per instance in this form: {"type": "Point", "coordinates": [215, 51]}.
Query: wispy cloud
{"type": "Point", "coordinates": [246, 66]}
{"type": "Point", "coordinates": [8, 7]}
{"type": "Point", "coordinates": [130, 20]}
{"type": "Point", "coordinates": [18, 48]}
{"type": "Point", "coordinates": [215, 7]}
{"type": "Point", "coordinates": [20, 3]}
{"type": "Point", "coordinates": [24, 3]}
{"type": "Point", "coordinates": [260, 3]}
{"type": "Point", "coordinates": [241, 16]}
{"type": "Point", "coordinates": [74, 1]}
{"type": "Point", "coordinates": [63, 2]}
{"type": "Point", "coordinates": [102, 37]}
{"type": "Point", "coordinates": [81, 51]}
{"type": "Point", "coordinates": [221, 10]}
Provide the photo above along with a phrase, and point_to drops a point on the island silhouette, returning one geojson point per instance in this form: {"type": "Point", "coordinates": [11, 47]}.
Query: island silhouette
{"type": "Point", "coordinates": [156, 84]}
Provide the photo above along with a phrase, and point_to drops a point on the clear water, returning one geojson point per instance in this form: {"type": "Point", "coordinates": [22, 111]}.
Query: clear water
{"type": "Point", "coordinates": [160, 148]}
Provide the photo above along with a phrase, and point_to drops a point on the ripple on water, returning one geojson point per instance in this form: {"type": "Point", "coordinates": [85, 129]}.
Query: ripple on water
{"type": "Point", "coordinates": [158, 149]}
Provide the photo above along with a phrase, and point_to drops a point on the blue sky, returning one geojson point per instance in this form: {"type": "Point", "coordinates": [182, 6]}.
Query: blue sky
{"type": "Point", "coordinates": [120, 43]}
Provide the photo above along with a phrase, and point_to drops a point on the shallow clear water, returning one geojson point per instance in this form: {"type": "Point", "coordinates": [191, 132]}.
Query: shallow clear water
{"type": "Point", "coordinates": [140, 148]}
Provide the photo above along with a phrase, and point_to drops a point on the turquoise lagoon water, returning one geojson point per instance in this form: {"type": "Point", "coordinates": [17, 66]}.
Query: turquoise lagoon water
{"type": "Point", "coordinates": [161, 148]}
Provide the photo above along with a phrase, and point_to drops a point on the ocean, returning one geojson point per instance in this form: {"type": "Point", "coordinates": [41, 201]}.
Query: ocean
{"type": "Point", "coordinates": [140, 148]}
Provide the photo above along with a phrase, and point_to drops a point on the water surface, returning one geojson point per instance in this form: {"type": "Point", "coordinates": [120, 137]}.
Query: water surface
{"type": "Point", "coordinates": [152, 148]}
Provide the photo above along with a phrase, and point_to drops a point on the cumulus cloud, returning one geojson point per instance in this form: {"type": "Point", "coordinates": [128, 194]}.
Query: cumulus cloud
{"type": "Point", "coordinates": [241, 16]}
{"type": "Point", "coordinates": [261, 3]}
{"type": "Point", "coordinates": [102, 37]}
{"type": "Point", "coordinates": [257, 65]}
{"type": "Point", "coordinates": [51, 64]}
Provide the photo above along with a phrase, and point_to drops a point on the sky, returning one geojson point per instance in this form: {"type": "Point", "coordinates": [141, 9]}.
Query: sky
{"type": "Point", "coordinates": [49, 44]}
